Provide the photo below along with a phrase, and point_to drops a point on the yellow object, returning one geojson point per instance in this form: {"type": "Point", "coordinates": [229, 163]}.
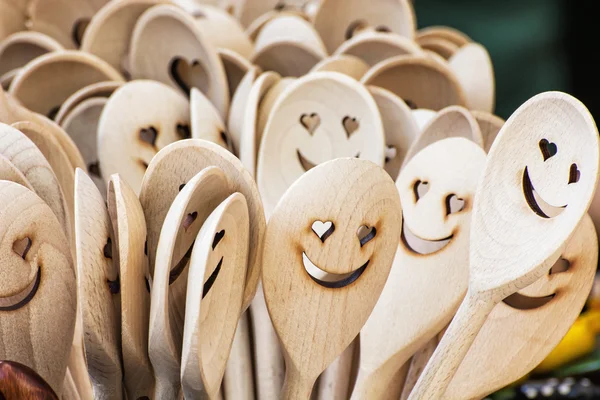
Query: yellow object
{"type": "Point", "coordinates": [579, 341]}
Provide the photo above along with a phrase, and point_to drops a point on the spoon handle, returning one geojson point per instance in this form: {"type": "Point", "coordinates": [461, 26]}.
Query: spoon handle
{"type": "Point", "coordinates": [453, 348]}
{"type": "Point", "coordinates": [296, 386]}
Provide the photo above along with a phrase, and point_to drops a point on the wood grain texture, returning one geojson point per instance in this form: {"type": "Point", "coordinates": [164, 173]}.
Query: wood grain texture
{"type": "Point", "coordinates": [522, 241]}
{"type": "Point", "coordinates": [38, 285]}
{"type": "Point", "coordinates": [429, 277]}
{"type": "Point", "coordinates": [97, 289]}
{"type": "Point", "coordinates": [314, 335]}
{"type": "Point", "coordinates": [9, 172]}
{"type": "Point", "coordinates": [129, 235]}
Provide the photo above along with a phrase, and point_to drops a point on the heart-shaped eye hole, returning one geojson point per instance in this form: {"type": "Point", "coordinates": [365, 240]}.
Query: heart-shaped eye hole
{"type": "Point", "coordinates": [574, 174]}
{"type": "Point", "coordinates": [310, 122]}
{"type": "Point", "coordinates": [351, 125]}
{"type": "Point", "coordinates": [188, 75]}
{"type": "Point", "coordinates": [107, 250]}
{"type": "Point", "coordinates": [183, 131]}
{"type": "Point", "coordinates": [420, 189]}
{"type": "Point", "coordinates": [148, 135]}
{"type": "Point", "coordinates": [218, 236]}
{"type": "Point", "coordinates": [390, 153]}
{"type": "Point", "coordinates": [561, 265]}
{"type": "Point", "coordinates": [548, 149]}
{"type": "Point", "coordinates": [323, 229]}
{"type": "Point", "coordinates": [454, 204]}
{"type": "Point", "coordinates": [365, 234]}
{"type": "Point", "coordinates": [22, 246]}
{"type": "Point", "coordinates": [189, 220]}
{"type": "Point", "coordinates": [354, 28]}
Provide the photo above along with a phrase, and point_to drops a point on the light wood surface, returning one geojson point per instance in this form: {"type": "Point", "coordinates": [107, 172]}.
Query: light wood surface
{"type": "Point", "coordinates": [206, 123]}
{"type": "Point", "coordinates": [334, 383]}
{"type": "Point", "coordinates": [238, 381]}
{"type": "Point", "coordinates": [9, 172]}
{"type": "Point", "coordinates": [236, 68]}
{"type": "Point", "coordinates": [101, 89]}
{"type": "Point", "coordinates": [419, 81]}
{"type": "Point", "coordinates": [430, 273]}
{"type": "Point", "coordinates": [287, 58]}
{"type": "Point", "coordinates": [416, 366]}
{"type": "Point", "coordinates": [374, 47]}
{"type": "Point", "coordinates": [239, 101]}
{"type": "Point", "coordinates": [12, 19]}
{"type": "Point", "coordinates": [219, 260]}
{"type": "Point", "coordinates": [352, 66]}
{"type": "Point", "coordinates": [139, 119]}
{"type": "Point", "coordinates": [490, 126]}
{"type": "Point", "coordinates": [514, 341]}
{"type": "Point", "coordinates": [256, 26]}
{"type": "Point", "coordinates": [36, 261]}
{"type": "Point", "coordinates": [336, 117]}
{"type": "Point", "coordinates": [178, 163]}
{"type": "Point", "coordinates": [98, 289]}
{"type": "Point", "coordinates": [440, 46]}
{"type": "Point", "coordinates": [181, 57]}
{"type": "Point", "coordinates": [314, 335]}
{"type": "Point", "coordinates": [524, 242]}
{"type": "Point", "coordinates": [443, 32]}
{"type": "Point", "coordinates": [129, 228]}
{"type": "Point", "coordinates": [21, 47]}
{"type": "Point", "coordinates": [290, 28]}
{"type": "Point", "coordinates": [473, 68]}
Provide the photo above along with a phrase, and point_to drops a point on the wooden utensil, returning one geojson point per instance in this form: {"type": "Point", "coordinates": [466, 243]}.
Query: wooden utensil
{"type": "Point", "coordinates": [174, 166]}
{"type": "Point", "coordinates": [101, 89]}
{"type": "Point", "coordinates": [443, 32]}
{"type": "Point", "coordinates": [473, 68]}
{"type": "Point", "coordinates": [374, 47]}
{"type": "Point", "coordinates": [290, 28]}
{"type": "Point", "coordinates": [239, 102]}
{"type": "Point", "coordinates": [423, 117]}
{"type": "Point", "coordinates": [219, 260]}
{"type": "Point", "coordinates": [206, 123]}
{"type": "Point", "coordinates": [399, 126]}
{"type": "Point", "coordinates": [318, 128]}
{"type": "Point", "coordinates": [36, 261]}
{"type": "Point", "coordinates": [238, 381]}
{"type": "Point", "coordinates": [21, 47]}
{"type": "Point", "coordinates": [490, 126]}
{"type": "Point", "coordinates": [9, 172]}
{"type": "Point", "coordinates": [440, 46]}
{"type": "Point", "coordinates": [190, 208]}
{"type": "Point", "coordinates": [256, 26]}
{"type": "Point", "coordinates": [419, 81]}
{"type": "Point", "coordinates": [98, 288]}
{"type": "Point", "coordinates": [352, 66]}
{"type": "Point", "coordinates": [129, 228]}
{"type": "Point", "coordinates": [535, 329]}
{"type": "Point", "coordinates": [108, 35]}
{"type": "Point", "coordinates": [453, 121]}
{"type": "Point", "coordinates": [266, 103]}
{"type": "Point", "coordinates": [429, 276]}
{"type": "Point", "coordinates": [361, 206]}
{"type": "Point", "coordinates": [247, 13]}
{"type": "Point", "coordinates": [139, 119]}
{"type": "Point", "coordinates": [70, 388]}
{"type": "Point", "coordinates": [287, 58]}
{"type": "Point", "coordinates": [46, 82]}
{"type": "Point", "coordinates": [18, 381]}
{"type": "Point", "coordinates": [12, 20]}
{"type": "Point", "coordinates": [339, 20]}
{"type": "Point", "coordinates": [181, 57]}
{"type": "Point", "coordinates": [525, 241]}
{"type": "Point", "coordinates": [337, 380]}
{"type": "Point", "coordinates": [235, 67]}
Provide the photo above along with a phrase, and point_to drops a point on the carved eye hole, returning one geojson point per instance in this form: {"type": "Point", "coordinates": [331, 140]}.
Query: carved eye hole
{"type": "Point", "coordinates": [189, 220]}
{"type": "Point", "coordinates": [218, 236]}
{"type": "Point", "coordinates": [383, 29]}
{"type": "Point", "coordinates": [310, 122]}
{"type": "Point", "coordinates": [454, 204]}
{"type": "Point", "coordinates": [323, 229]}
{"type": "Point", "coordinates": [365, 234]}
{"type": "Point", "coordinates": [183, 131]}
{"type": "Point", "coordinates": [149, 135]}
{"type": "Point", "coordinates": [574, 174]}
{"type": "Point", "coordinates": [420, 189]}
{"type": "Point", "coordinates": [350, 124]}
{"type": "Point", "coordinates": [548, 149]}
{"type": "Point", "coordinates": [79, 29]}
{"type": "Point", "coordinates": [22, 246]}
{"type": "Point", "coordinates": [561, 265]}
{"type": "Point", "coordinates": [354, 28]}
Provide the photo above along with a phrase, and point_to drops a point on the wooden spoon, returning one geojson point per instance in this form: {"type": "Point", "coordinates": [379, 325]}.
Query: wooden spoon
{"type": "Point", "coordinates": [190, 208]}
{"type": "Point", "coordinates": [248, 13]}
{"type": "Point", "coordinates": [219, 260]}
{"type": "Point", "coordinates": [361, 206]}
{"type": "Point", "coordinates": [419, 81]}
{"type": "Point", "coordinates": [266, 103]}
{"type": "Point", "coordinates": [440, 46]}
{"type": "Point", "coordinates": [352, 66]}
{"type": "Point", "coordinates": [46, 82]}
{"type": "Point", "coordinates": [95, 90]}
{"type": "Point", "coordinates": [287, 58]}
{"type": "Point", "coordinates": [129, 228]}
{"type": "Point", "coordinates": [238, 381]}
{"type": "Point", "coordinates": [236, 67]}
{"type": "Point", "coordinates": [290, 28]}
{"type": "Point", "coordinates": [423, 117]}
{"type": "Point", "coordinates": [473, 68]}
{"type": "Point", "coordinates": [490, 126]}
{"type": "Point", "coordinates": [18, 381]}
{"type": "Point", "coordinates": [429, 276]}
{"type": "Point", "coordinates": [239, 102]}
{"type": "Point", "coordinates": [524, 241]}
{"type": "Point", "coordinates": [98, 289]}
{"type": "Point", "coordinates": [339, 20]}
{"type": "Point", "coordinates": [176, 164]}
{"type": "Point", "coordinates": [374, 47]}
{"type": "Point", "coordinates": [9, 172]}
{"type": "Point", "coordinates": [181, 57]}
{"type": "Point", "coordinates": [108, 35]}
{"type": "Point", "coordinates": [139, 119]}
{"type": "Point", "coordinates": [20, 48]}
{"type": "Point", "coordinates": [7, 78]}
{"type": "Point", "coordinates": [500, 356]}
{"type": "Point", "coordinates": [443, 32]}
{"type": "Point", "coordinates": [453, 121]}
{"type": "Point", "coordinates": [12, 19]}
{"type": "Point", "coordinates": [36, 261]}
{"type": "Point", "coordinates": [206, 123]}
{"type": "Point", "coordinates": [318, 117]}
{"type": "Point", "coordinates": [254, 28]}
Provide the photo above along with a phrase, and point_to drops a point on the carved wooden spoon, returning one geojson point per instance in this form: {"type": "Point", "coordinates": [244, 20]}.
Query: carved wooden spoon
{"type": "Point", "coordinates": [329, 247]}
{"type": "Point", "coordinates": [538, 183]}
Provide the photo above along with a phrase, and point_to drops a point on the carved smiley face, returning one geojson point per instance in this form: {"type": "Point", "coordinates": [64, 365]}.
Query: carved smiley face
{"type": "Point", "coordinates": [317, 118]}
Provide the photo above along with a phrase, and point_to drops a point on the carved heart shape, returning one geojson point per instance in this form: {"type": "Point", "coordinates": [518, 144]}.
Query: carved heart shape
{"type": "Point", "coordinates": [548, 149]}
{"type": "Point", "coordinates": [188, 75]}
{"type": "Point", "coordinates": [323, 229]}
{"type": "Point", "coordinates": [574, 174]}
{"type": "Point", "coordinates": [310, 122]}
{"type": "Point", "coordinates": [421, 188]}
{"type": "Point", "coordinates": [351, 125]}
{"type": "Point", "coordinates": [148, 135]}
{"type": "Point", "coordinates": [454, 204]}
{"type": "Point", "coordinates": [365, 234]}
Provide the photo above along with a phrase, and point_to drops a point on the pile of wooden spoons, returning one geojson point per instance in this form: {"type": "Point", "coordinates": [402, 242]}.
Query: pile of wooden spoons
{"type": "Point", "coordinates": [264, 199]}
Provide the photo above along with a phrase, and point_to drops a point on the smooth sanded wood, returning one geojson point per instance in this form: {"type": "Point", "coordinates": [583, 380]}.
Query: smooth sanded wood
{"type": "Point", "coordinates": [95, 90]}
{"type": "Point", "coordinates": [239, 101]}
{"type": "Point", "coordinates": [443, 32]}
{"type": "Point", "coordinates": [236, 68]}
{"type": "Point", "coordinates": [287, 58]}
{"type": "Point", "coordinates": [21, 47]}
{"type": "Point", "coordinates": [98, 289]}
{"type": "Point", "coordinates": [36, 260]}
{"type": "Point", "coordinates": [489, 125]}
{"type": "Point", "coordinates": [238, 381]}
{"type": "Point", "coordinates": [292, 28]}
{"type": "Point", "coordinates": [473, 68]}
{"type": "Point", "coordinates": [9, 172]}
{"type": "Point", "coordinates": [219, 261]}
{"type": "Point", "coordinates": [206, 123]}
{"type": "Point", "coordinates": [350, 194]}
{"type": "Point", "coordinates": [374, 47]}
{"type": "Point", "coordinates": [129, 228]}
{"type": "Point", "coordinates": [352, 66]}
{"type": "Point", "coordinates": [512, 243]}
{"type": "Point", "coordinates": [430, 273]}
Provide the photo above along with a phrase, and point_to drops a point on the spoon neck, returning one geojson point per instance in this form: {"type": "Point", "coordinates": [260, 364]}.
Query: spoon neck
{"type": "Point", "coordinates": [296, 386]}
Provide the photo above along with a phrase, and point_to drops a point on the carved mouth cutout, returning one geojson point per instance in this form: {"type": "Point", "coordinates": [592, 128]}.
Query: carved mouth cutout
{"type": "Point", "coordinates": [536, 203]}
{"type": "Point", "coordinates": [329, 280]}
{"type": "Point", "coordinates": [422, 246]}
{"type": "Point", "coordinates": [213, 277]}
{"type": "Point", "coordinates": [18, 300]}
{"type": "Point", "coordinates": [307, 164]}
